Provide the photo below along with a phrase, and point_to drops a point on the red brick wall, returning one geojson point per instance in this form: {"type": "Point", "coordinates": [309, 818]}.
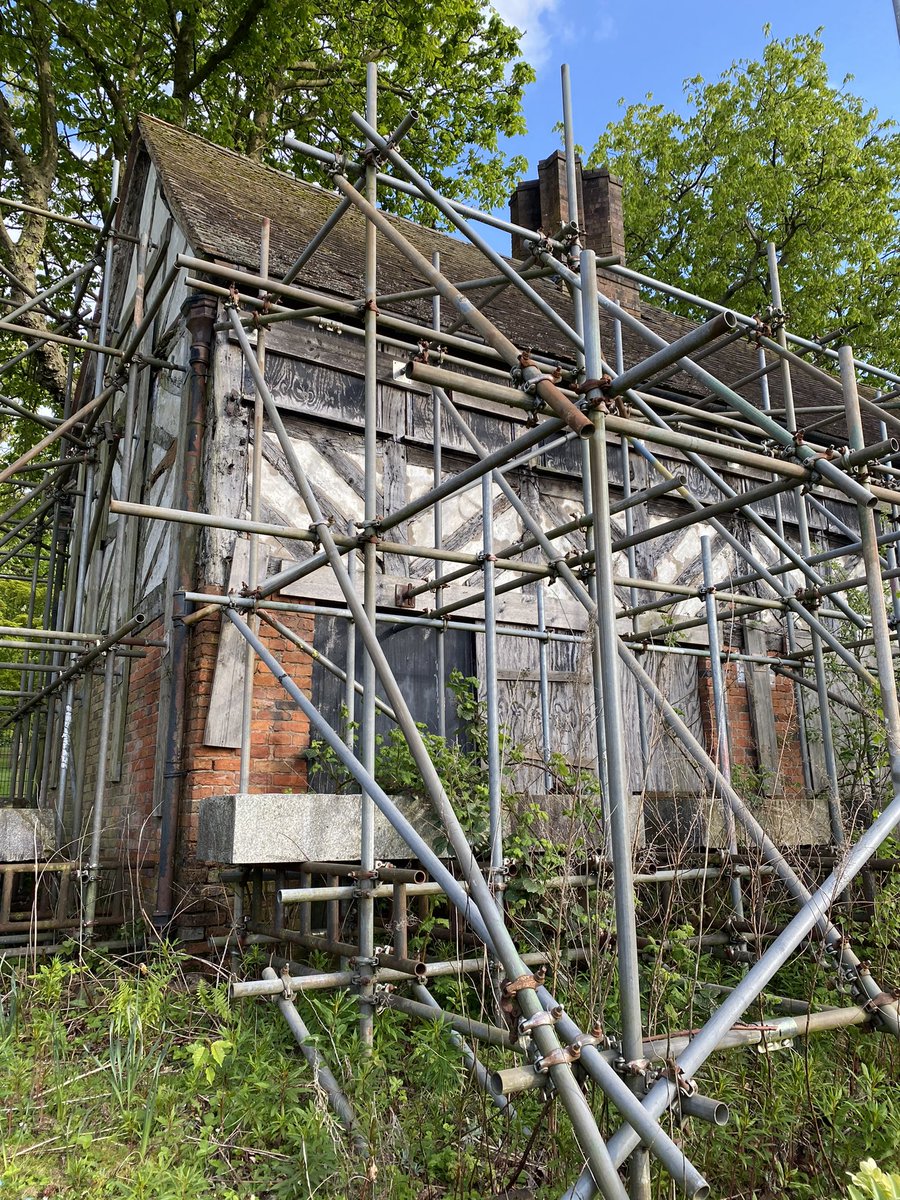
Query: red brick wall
{"type": "Point", "coordinates": [787, 728]}
{"type": "Point", "coordinates": [129, 828]}
{"type": "Point", "coordinates": [785, 775]}
{"type": "Point", "coordinates": [279, 733]}
{"type": "Point", "coordinates": [131, 801]}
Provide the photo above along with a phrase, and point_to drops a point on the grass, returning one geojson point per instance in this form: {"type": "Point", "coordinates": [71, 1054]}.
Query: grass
{"type": "Point", "coordinates": [128, 1079]}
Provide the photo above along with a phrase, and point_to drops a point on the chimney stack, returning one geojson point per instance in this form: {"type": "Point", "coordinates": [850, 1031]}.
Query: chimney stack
{"type": "Point", "coordinates": [543, 203]}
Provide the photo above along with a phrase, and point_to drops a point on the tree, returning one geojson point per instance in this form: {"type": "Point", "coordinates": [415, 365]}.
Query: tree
{"type": "Point", "coordinates": [76, 73]}
{"type": "Point", "coordinates": [771, 152]}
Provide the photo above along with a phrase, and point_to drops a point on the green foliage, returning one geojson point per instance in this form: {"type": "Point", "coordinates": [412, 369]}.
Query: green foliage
{"type": "Point", "coordinates": [118, 1081]}
{"type": "Point", "coordinates": [459, 762]}
{"type": "Point", "coordinates": [860, 731]}
{"type": "Point", "coordinates": [533, 854]}
{"type": "Point", "coordinates": [243, 72]}
{"type": "Point", "coordinates": [871, 1183]}
{"type": "Point", "coordinates": [800, 1118]}
{"type": "Point", "coordinates": [95, 1107]}
{"type": "Point", "coordinates": [209, 1056]}
{"type": "Point", "coordinates": [753, 783]}
{"type": "Point", "coordinates": [76, 74]}
{"type": "Point", "coordinates": [771, 151]}
{"type": "Point", "coordinates": [20, 609]}
{"type": "Point", "coordinates": [540, 856]}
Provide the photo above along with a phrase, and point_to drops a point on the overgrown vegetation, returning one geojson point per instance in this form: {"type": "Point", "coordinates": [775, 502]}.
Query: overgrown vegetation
{"type": "Point", "coordinates": [126, 1080]}
{"type": "Point", "coordinates": [136, 1081]}
{"type": "Point", "coordinates": [137, 1078]}
{"type": "Point", "coordinates": [460, 764]}
{"type": "Point", "coordinates": [804, 1115]}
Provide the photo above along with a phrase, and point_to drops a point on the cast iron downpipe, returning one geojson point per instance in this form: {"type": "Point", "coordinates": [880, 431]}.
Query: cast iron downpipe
{"type": "Point", "coordinates": [200, 315]}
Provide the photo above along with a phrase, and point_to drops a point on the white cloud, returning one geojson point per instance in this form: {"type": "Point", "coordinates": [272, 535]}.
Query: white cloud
{"type": "Point", "coordinates": [605, 29]}
{"type": "Point", "coordinates": [532, 17]}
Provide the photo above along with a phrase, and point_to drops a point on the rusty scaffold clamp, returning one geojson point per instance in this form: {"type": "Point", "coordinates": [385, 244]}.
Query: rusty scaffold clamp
{"type": "Point", "coordinates": [510, 988]}
{"type": "Point", "coordinates": [561, 1056]}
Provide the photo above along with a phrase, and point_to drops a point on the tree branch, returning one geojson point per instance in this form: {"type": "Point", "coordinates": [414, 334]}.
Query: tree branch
{"type": "Point", "coordinates": [12, 145]}
{"type": "Point", "coordinates": [233, 42]}
{"type": "Point", "coordinates": [49, 151]}
{"type": "Point", "coordinates": [93, 60]}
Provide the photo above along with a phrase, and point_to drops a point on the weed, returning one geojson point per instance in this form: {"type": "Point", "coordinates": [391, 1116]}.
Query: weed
{"type": "Point", "coordinates": [871, 1183]}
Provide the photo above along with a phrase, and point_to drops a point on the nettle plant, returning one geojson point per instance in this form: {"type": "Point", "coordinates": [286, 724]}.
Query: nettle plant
{"type": "Point", "coordinates": [458, 761]}
{"type": "Point", "coordinates": [461, 764]}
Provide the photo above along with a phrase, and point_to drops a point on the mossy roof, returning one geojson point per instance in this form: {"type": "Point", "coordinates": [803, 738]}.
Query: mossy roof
{"type": "Point", "coordinates": [220, 198]}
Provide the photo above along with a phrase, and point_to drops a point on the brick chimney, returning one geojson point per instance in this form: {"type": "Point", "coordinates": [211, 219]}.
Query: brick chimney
{"type": "Point", "coordinates": [543, 203]}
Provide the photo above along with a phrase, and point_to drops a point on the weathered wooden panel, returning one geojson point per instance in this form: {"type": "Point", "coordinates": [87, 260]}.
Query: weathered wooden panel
{"type": "Point", "coordinates": [492, 424]}
{"type": "Point", "coordinates": [760, 682]}
{"type": "Point", "coordinates": [392, 408]}
{"type": "Point", "coordinates": [413, 657]}
{"type": "Point", "coordinates": [320, 346]}
{"type": "Point", "coordinates": [223, 722]}
{"type": "Point", "coordinates": [810, 705]}
{"type": "Point", "coordinates": [313, 343]}
{"type": "Point", "coordinates": [395, 494]}
{"type": "Point", "coordinates": [160, 480]}
{"type": "Point", "coordinates": [566, 458]}
{"type": "Point", "coordinates": [313, 390]}
{"type": "Point", "coordinates": [227, 491]}
{"type": "Point", "coordinates": [666, 769]}
{"type": "Point", "coordinates": [572, 726]}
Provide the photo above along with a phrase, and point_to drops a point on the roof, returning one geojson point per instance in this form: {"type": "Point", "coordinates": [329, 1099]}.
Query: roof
{"type": "Point", "coordinates": [220, 197]}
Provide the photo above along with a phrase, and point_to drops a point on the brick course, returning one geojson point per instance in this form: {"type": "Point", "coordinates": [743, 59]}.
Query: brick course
{"type": "Point", "coordinates": [784, 777]}
{"type": "Point", "coordinates": [279, 735]}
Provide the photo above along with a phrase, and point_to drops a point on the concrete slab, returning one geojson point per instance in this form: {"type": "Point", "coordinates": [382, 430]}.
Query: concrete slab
{"type": "Point", "coordinates": [307, 827]}
{"type": "Point", "coordinates": [323, 827]}
{"type": "Point", "coordinates": [246, 829]}
{"type": "Point", "coordinates": [26, 835]}
{"type": "Point", "coordinates": [697, 821]}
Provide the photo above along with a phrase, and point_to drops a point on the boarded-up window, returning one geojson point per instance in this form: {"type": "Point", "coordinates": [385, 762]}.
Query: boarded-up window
{"type": "Point", "coordinates": [412, 652]}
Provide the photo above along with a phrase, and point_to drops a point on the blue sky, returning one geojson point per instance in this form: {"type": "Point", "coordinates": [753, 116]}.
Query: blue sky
{"type": "Point", "coordinates": [626, 48]}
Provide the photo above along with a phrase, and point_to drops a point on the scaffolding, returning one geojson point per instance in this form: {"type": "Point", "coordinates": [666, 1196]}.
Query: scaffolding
{"type": "Point", "coordinates": [611, 412]}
